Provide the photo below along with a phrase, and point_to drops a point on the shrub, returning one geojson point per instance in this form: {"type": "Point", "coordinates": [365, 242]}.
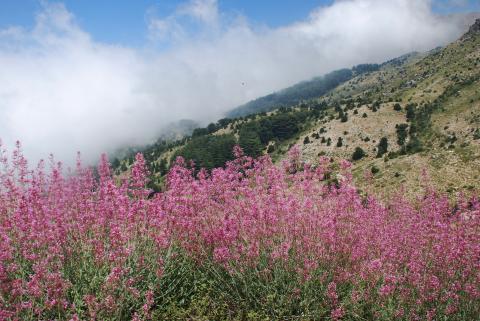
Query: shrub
{"type": "Point", "coordinates": [414, 145]}
{"type": "Point", "coordinates": [393, 155]}
{"type": "Point", "coordinates": [476, 134]}
{"type": "Point", "coordinates": [358, 154]}
{"type": "Point", "coordinates": [382, 147]}
{"type": "Point", "coordinates": [402, 134]}
{"type": "Point", "coordinates": [410, 108]}
{"type": "Point", "coordinates": [340, 142]}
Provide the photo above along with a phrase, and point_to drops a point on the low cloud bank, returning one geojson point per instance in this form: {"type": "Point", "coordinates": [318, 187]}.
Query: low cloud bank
{"type": "Point", "coordinates": [61, 91]}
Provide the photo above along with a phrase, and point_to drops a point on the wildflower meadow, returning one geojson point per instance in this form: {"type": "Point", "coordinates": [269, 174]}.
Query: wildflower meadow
{"type": "Point", "coordinates": [253, 240]}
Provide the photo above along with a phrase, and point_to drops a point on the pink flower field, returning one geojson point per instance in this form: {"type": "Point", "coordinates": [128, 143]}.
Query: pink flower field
{"type": "Point", "coordinates": [251, 241]}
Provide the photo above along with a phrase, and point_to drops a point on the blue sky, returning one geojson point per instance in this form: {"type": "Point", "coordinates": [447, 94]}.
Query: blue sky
{"type": "Point", "coordinates": [124, 22]}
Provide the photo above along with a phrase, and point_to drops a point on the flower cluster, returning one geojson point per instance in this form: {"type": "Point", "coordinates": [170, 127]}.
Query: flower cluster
{"type": "Point", "coordinates": [87, 245]}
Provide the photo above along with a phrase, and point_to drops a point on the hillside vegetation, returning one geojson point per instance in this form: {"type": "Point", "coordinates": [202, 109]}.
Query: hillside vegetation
{"type": "Point", "coordinates": [413, 118]}
{"type": "Point", "coordinates": [304, 90]}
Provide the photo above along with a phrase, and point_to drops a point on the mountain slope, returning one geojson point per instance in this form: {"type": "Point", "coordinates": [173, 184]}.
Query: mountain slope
{"type": "Point", "coordinates": [418, 112]}
{"type": "Point", "coordinates": [302, 91]}
{"type": "Point", "coordinates": [442, 90]}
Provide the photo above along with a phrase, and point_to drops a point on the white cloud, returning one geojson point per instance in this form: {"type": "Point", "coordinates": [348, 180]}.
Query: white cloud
{"type": "Point", "coordinates": [61, 91]}
{"type": "Point", "coordinates": [195, 14]}
{"type": "Point", "coordinates": [204, 10]}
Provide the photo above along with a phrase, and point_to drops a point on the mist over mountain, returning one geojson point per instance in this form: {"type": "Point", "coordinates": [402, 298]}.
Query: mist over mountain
{"type": "Point", "coordinates": [415, 113]}
{"type": "Point", "coordinates": [63, 91]}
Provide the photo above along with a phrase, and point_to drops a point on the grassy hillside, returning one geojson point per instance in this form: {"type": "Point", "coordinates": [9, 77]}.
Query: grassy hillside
{"type": "Point", "coordinates": [419, 113]}
{"type": "Point", "coordinates": [439, 101]}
